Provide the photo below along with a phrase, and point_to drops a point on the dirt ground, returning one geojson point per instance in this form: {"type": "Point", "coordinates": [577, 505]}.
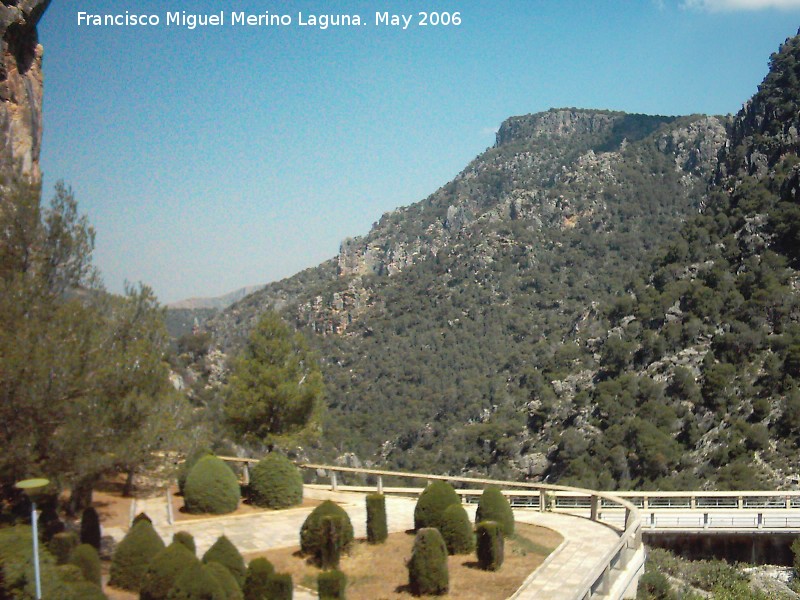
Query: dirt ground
{"type": "Point", "coordinates": [379, 572]}
{"type": "Point", "coordinates": [244, 508]}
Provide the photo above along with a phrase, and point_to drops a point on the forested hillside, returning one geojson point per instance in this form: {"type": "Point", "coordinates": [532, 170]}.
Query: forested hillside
{"type": "Point", "coordinates": [601, 298]}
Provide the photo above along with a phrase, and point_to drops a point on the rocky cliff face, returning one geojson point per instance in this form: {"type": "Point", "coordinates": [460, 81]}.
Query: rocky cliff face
{"type": "Point", "coordinates": [21, 86]}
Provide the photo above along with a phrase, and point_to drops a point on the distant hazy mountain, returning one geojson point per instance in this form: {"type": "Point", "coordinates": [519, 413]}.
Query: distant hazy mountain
{"type": "Point", "coordinates": [218, 303]}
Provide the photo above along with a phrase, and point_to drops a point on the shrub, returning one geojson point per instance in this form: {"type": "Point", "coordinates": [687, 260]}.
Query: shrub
{"type": "Point", "coordinates": [62, 545]}
{"type": "Point", "coordinates": [85, 557]}
{"type": "Point", "coordinates": [49, 523]}
{"type": "Point", "coordinates": [142, 516]}
{"type": "Point", "coordinates": [280, 587]}
{"type": "Point", "coordinates": [311, 537]}
{"type": "Point", "coordinates": [275, 482]}
{"type": "Point", "coordinates": [331, 585]}
{"type": "Point", "coordinates": [185, 538]}
{"type": "Point", "coordinates": [211, 487]}
{"type": "Point", "coordinates": [796, 556]}
{"type": "Point", "coordinates": [654, 586]}
{"type": "Point", "coordinates": [432, 503]}
{"type": "Point", "coordinates": [377, 529]}
{"type": "Point", "coordinates": [229, 585]}
{"type": "Point", "coordinates": [186, 466]}
{"type": "Point", "coordinates": [427, 568]}
{"type": "Point", "coordinates": [457, 530]}
{"type": "Point", "coordinates": [197, 583]}
{"type": "Point", "coordinates": [490, 546]}
{"type": "Point", "coordinates": [16, 558]}
{"type": "Point", "coordinates": [82, 590]}
{"type": "Point", "coordinates": [225, 553]}
{"type": "Point", "coordinates": [90, 528]}
{"type": "Point", "coordinates": [332, 530]}
{"type": "Point", "coordinates": [494, 506]}
{"type": "Point", "coordinates": [164, 569]}
{"type": "Point", "coordinates": [255, 582]}
{"type": "Point", "coordinates": [133, 554]}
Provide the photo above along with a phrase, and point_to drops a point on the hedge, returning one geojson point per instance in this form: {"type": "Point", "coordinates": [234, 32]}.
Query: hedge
{"type": "Point", "coordinates": [427, 568]}
{"type": "Point", "coordinates": [311, 536]}
{"type": "Point", "coordinates": [230, 586]}
{"type": "Point", "coordinates": [457, 531]}
{"type": "Point", "coordinates": [432, 503]}
{"type": "Point", "coordinates": [331, 585]}
{"type": "Point", "coordinates": [255, 581]}
{"type": "Point", "coordinates": [225, 553]}
{"type": "Point", "coordinates": [197, 583]}
{"type": "Point", "coordinates": [275, 482]}
{"type": "Point", "coordinates": [377, 529]}
{"type": "Point", "coordinates": [211, 487]}
{"type": "Point", "coordinates": [133, 555]}
{"type": "Point", "coordinates": [85, 557]}
{"type": "Point", "coordinates": [164, 569]}
{"type": "Point", "coordinates": [494, 506]}
{"type": "Point", "coordinates": [280, 587]}
{"type": "Point", "coordinates": [185, 538]}
{"type": "Point", "coordinates": [490, 545]}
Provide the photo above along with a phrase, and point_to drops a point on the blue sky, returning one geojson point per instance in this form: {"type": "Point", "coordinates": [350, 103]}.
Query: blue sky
{"type": "Point", "coordinates": [224, 156]}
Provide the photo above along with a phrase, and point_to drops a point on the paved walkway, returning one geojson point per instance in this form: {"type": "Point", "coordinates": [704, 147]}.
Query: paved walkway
{"type": "Point", "coordinates": [585, 542]}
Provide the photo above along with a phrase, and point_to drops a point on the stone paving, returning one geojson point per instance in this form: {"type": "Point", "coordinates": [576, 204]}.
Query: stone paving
{"type": "Point", "coordinates": [585, 542]}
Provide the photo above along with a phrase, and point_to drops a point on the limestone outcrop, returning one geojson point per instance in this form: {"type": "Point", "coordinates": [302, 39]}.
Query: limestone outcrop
{"type": "Point", "coordinates": [21, 86]}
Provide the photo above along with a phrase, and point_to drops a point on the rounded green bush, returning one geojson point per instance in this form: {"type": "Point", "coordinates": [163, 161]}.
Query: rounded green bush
{"type": "Point", "coordinates": [229, 585]}
{"type": "Point", "coordinates": [211, 487]}
{"type": "Point", "coordinates": [311, 533]}
{"type": "Point", "coordinates": [185, 538]}
{"type": "Point", "coordinates": [197, 583]}
{"type": "Point", "coordinates": [83, 590]}
{"type": "Point", "coordinates": [133, 555]}
{"type": "Point", "coordinates": [225, 553]}
{"type": "Point", "coordinates": [654, 586]}
{"type": "Point", "coordinates": [280, 587]}
{"type": "Point", "coordinates": [432, 503]}
{"type": "Point", "coordinates": [186, 466]}
{"type": "Point", "coordinates": [427, 568]}
{"type": "Point", "coordinates": [331, 585]}
{"type": "Point", "coordinates": [275, 482]}
{"type": "Point", "coordinates": [164, 569]}
{"type": "Point", "coordinates": [457, 530]}
{"type": "Point", "coordinates": [494, 506]}
{"type": "Point", "coordinates": [85, 557]}
{"type": "Point", "coordinates": [90, 528]}
{"type": "Point", "coordinates": [62, 544]}
{"type": "Point", "coordinates": [490, 545]}
{"type": "Point", "coordinates": [377, 529]}
{"type": "Point", "coordinates": [255, 581]}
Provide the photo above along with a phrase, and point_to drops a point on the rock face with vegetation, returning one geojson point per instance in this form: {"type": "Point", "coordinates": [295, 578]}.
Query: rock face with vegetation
{"type": "Point", "coordinates": [600, 298]}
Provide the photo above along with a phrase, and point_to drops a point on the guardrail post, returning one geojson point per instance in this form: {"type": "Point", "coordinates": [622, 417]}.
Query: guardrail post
{"type": "Point", "coordinates": [740, 502]}
{"type": "Point", "coordinates": [605, 582]}
{"type": "Point", "coordinates": [693, 502]}
{"type": "Point", "coordinates": [595, 507]}
{"type": "Point", "coordinates": [542, 501]}
{"type": "Point", "coordinates": [760, 521]}
{"type": "Point", "coordinates": [334, 484]}
{"type": "Point", "coordinates": [246, 474]}
{"type": "Point", "coordinates": [788, 502]}
{"type": "Point", "coordinates": [380, 484]}
{"type": "Point", "coordinates": [705, 520]}
{"type": "Point", "coordinates": [645, 503]}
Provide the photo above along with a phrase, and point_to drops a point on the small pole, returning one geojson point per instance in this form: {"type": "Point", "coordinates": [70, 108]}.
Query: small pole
{"type": "Point", "coordinates": [36, 551]}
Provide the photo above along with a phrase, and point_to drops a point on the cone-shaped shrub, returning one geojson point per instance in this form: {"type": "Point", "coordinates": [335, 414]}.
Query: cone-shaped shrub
{"type": "Point", "coordinates": [142, 516]}
{"type": "Point", "coordinates": [275, 482]}
{"type": "Point", "coordinates": [164, 569]}
{"type": "Point", "coordinates": [432, 503]}
{"type": "Point", "coordinates": [377, 530]}
{"type": "Point", "coordinates": [186, 466]}
{"type": "Point", "coordinates": [229, 585]}
{"type": "Point", "coordinates": [494, 506]}
{"type": "Point", "coordinates": [332, 539]}
{"type": "Point", "coordinates": [490, 545]}
{"type": "Point", "coordinates": [211, 487]}
{"type": "Point", "coordinates": [62, 545]}
{"type": "Point", "coordinates": [331, 585]}
{"type": "Point", "coordinates": [311, 537]}
{"type": "Point", "coordinates": [457, 531]}
{"type": "Point", "coordinates": [255, 581]}
{"type": "Point", "coordinates": [280, 587]}
{"type": "Point", "coordinates": [90, 528]}
{"type": "Point", "coordinates": [85, 557]}
{"type": "Point", "coordinates": [196, 583]}
{"type": "Point", "coordinates": [185, 538]}
{"type": "Point", "coordinates": [133, 554]}
{"type": "Point", "coordinates": [427, 569]}
{"type": "Point", "coordinates": [225, 553]}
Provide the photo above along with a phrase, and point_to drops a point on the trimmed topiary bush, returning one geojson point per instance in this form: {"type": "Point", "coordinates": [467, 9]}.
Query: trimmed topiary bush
{"type": "Point", "coordinates": [332, 541]}
{"type": "Point", "coordinates": [85, 557]}
{"type": "Point", "coordinates": [275, 482]}
{"type": "Point", "coordinates": [211, 487]}
{"type": "Point", "coordinates": [197, 583]}
{"type": "Point", "coordinates": [225, 553]}
{"type": "Point", "coordinates": [229, 585]}
{"type": "Point", "coordinates": [83, 590]}
{"type": "Point", "coordinates": [186, 539]}
{"type": "Point", "coordinates": [186, 466]}
{"type": "Point", "coordinates": [432, 503]}
{"type": "Point", "coordinates": [331, 585]}
{"type": "Point", "coordinates": [427, 568]}
{"type": "Point", "coordinates": [280, 587]}
{"type": "Point", "coordinates": [49, 522]}
{"type": "Point", "coordinates": [90, 528]}
{"type": "Point", "coordinates": [457, 531]}
{"type": "Point", "coordinates": [62, 545]}
{"type": "Point", "coordinates": [494, 506]}
{"type": "Point", "coordinates": [142, 516]}
{"type": "Point", "coordinates": [133, 555]}
{"type": "Point", "coordinates": [311, 536]}
{"type": "Point", "coordinates": [164, 569]}
{"type": "Point", "coordinates": [377, 529]}
{"type": "Point", "coordinates": [255, 581]}
{"type": "Point", "coordinates": [490, 545]}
